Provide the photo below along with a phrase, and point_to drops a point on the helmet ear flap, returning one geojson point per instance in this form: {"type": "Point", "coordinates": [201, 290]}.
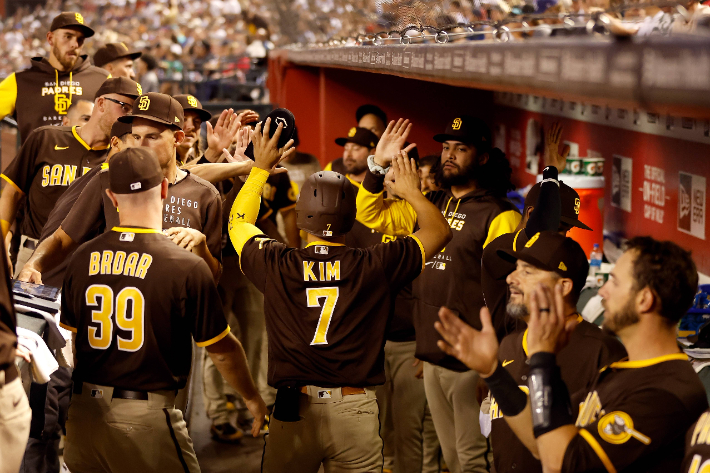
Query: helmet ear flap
{"type": "Point", "coordinates": [330, 212]}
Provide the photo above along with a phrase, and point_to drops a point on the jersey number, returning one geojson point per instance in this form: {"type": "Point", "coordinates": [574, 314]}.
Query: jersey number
{"type": "Point", "coordinates": [331, 298]}
{"type": "Point", "coordinates": [101, 296]}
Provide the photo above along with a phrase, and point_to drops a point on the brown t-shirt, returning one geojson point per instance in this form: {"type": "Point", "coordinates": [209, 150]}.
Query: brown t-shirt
{"type": "Point", "coordinates": [327, 307]}
{"type": "Point", "coordinates": [588, 351]}
{"type": "Point", "coordinates": [135, 300]}
{"type": "Point", "coordinates": [47, 163]}
{"type": "Point", "coordinates": [635, 416]}
{"type": "Point", "coordinates": [192, 202]}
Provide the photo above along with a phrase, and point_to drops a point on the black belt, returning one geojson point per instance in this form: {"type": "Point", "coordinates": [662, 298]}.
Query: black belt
{"type": "Point", "coordinates": [118, 393]}
{"type": "Point", "coordinates": [30, 244]}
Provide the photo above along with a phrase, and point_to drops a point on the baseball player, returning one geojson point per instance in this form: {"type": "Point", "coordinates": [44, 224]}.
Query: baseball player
{"type": "Point", "coordinates": [192, 212]}
{"type": "Point", "coordinates": [368, 117]}
{"type": "Point", "coordinates": [42, 94]}
{"type": "Point", "coordinates": [79, 113]}
{"type": "Point", "coordinates": [134, 301]}
{"type": "Point", "coordinates": [327, 307]}
{"type": "Point", "coordinates": [52, 157]}
{"type": "Point", "coordinates": [15, 414]}
{"type": "Point", "coordinates": [548, 258]}
{"type": "Point", "coordinates": [549, 205]}
{"type": "Point", "coordinates": [117, 59]}
{"type": "Point", "coordinates": [475, 179]}
{"type": "Point", "coordinates": [635, 414]}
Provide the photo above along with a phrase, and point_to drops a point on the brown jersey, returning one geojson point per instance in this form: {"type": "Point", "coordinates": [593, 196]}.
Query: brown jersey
{"type": "Point", "coordinates": [134, 300]}
{"type": "Point", "coordinates": [47, 163]}
{"type": "Point", "coordinates": [589, 350]}
{"type": "Point", "coordinates": [192, 202]}
{"type": "Point", "coordinates": [327, 307]}
{"type": "Point", "coordinates": [697, 446]}
{"type": "Point", "coordinates": [279, 195]}
{"type": "Point", "coordinates": [635, 416]}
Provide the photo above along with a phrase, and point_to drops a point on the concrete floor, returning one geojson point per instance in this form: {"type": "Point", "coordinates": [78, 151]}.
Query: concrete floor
{"type": "Point", "coordinates": [215, 457]}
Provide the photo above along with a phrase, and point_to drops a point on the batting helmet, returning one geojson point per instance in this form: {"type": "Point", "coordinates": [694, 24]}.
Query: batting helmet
{"type": "Point", "coordinates": [326, 205]}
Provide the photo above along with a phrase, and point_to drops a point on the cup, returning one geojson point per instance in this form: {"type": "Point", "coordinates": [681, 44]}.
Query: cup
{"type": "Point", "coordinates": [574, 166]}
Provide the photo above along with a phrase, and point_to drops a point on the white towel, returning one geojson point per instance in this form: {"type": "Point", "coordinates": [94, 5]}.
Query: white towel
{"type": "Point", "coordinates": [43, 362]}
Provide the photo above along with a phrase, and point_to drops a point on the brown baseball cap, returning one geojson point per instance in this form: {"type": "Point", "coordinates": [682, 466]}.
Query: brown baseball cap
{"type": "Point", "coordinates": [552, 252]}
{"type": "Point", "coordinates": [111, 52]}
{"type": "Point", "coordinates": [467, 129]}
{"type": "Point", "coordinates": [118, 129]}
{"type": "Point", "coordinates": [120, 86]}
{"type": "Point", "coordinates": [359, 136]}
{"type": "Point", "coordinates": [71, 20]}
{"type": "Point", "coordinates": [191, 104]}
{"type": "Point", "coordinates": [569, 204]}
{"type": "Point", "coordinates": [157, 107]}
{"type": "Point", "coordinates": [134, 170]}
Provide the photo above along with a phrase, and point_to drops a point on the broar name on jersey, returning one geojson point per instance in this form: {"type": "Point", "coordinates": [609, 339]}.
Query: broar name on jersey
{"type": "Point", "coordinates": [119, 263]}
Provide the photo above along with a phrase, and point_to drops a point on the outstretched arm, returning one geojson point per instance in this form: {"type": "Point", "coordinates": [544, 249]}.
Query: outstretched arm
{"type": "Point", "coordinates": [49, 254]}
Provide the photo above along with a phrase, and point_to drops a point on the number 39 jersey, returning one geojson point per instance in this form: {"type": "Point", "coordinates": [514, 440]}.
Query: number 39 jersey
{"type": "Point", "coordinates": [134, 300]}
{"type": "Point", "coordinates": [327, 307]}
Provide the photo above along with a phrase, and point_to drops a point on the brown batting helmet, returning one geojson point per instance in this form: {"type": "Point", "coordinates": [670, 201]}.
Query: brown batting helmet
{"type": "Point", "coordinates": [326, 205]}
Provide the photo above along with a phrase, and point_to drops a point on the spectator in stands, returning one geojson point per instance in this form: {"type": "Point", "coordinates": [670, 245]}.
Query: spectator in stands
{"type": "Point", "coordinates": [147, 76]}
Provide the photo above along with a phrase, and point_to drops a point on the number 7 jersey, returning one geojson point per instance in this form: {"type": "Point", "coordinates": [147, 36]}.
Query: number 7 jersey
{"type": "Point", "coordinates": [327, 307]}
{"type": "Point", "coordinates": [135, 299]}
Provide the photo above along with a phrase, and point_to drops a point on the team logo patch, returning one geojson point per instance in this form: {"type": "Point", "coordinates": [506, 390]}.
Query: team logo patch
{"type": "Point", "coordinates": [281, 121]}
{"type": "Point", "coordinates": [97, 393]}
{"type": "Point", "coordinates": [352, 132]}
{"type": "Point", "coordinates": [61, 104]}
{"type": "Point", "coordinates": [532, 241]}
{"type": "Point", "coordinates": [177, 120]}
{"type": "Point", "coordinates": [321, 250]}
{"type": "Point", "coordinates": [127, 236]}
{"type": "Point", "coordinates": [457, 124]}
{"type": "Point", "coordinates": [192, 101]}
{"type": "Point", "coordinates": [617, 428]}
{"type": "Point", "coordinates": [79, 18]}
{"type": "Point", "coordinates": [143, 103]}
{"type": "Point", "coordinates": [562, 266]}
{"type": "Point", "coordinates": [577, 205]}
{"type": "Point", "coordinates": [135, 186]}
{"type": "Point", "coordinates": [325, 394]}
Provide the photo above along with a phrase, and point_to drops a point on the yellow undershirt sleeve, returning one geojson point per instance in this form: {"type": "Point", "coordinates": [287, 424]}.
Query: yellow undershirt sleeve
{"type": "Point", "coordinates": [505, 222]}
{"type": "Point", "coordinates": [8, 95]}
{"type": "Point", "coordinates": [328, 167]}
{"type": "Point", "coordinates": [246, 209]}
{"type": "Point", "coordinates": [389, 216]}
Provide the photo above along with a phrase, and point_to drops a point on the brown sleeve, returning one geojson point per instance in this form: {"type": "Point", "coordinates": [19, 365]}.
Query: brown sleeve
{"type": "Point", "coordinates": [87, 214]}
{"type": "Point", "coordinates": [20, 172]}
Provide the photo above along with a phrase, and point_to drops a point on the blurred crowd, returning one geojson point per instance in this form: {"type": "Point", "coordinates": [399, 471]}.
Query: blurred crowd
{"type": "Point", "coordinates": [196, 41]}
{"type": "Point", "coordinates": [180, 40]}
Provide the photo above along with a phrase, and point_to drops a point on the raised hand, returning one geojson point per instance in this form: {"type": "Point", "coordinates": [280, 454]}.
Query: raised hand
{"type": "Point", "coordinates": [476, 349]}
{"type": "Point", "coordinates": [392, 142]}
{"type": "Point", "coordinates": [222, 135]}
{"type": "Point", "coordinates": [548, 329]}
{"type": "Point", "coordinates": [405, 177]}
{"type": "Point", "coordinates": [243, 138]}
{"type": "Point", "coordinates": [267, 155]}
{"type": "Point", "coordinates": [248, 116]}
{"type": "Point", "coordinates": [552, 156]}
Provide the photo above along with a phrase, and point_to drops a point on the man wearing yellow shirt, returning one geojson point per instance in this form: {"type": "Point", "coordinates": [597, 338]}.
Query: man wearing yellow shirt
{"type": "Point", "coordinates": [475, 178]}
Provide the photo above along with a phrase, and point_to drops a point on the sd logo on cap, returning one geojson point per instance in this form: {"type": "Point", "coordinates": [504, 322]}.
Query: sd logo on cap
{"type": "Point", "coordinates": [157, 107]}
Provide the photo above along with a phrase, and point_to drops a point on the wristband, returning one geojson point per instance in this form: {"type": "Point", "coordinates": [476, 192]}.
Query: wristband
{"type": "Point", "coordinates": [549, 397]}
{"type": "Point", "coordinates": [510, 398]}
{"type": "Point", "coordinates": [374, 167]}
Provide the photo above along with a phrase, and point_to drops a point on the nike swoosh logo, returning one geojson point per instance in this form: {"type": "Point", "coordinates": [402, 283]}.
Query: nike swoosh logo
{"type": "Point", "coordinates": [57, 147]}
{"type": "Point", "coordinates": [506, 363]}
{"type": "Point", "coordinates": [15, 403]}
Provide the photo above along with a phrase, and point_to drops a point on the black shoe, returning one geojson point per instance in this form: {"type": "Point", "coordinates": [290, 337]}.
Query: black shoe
{"type": "Point", "coordinates": [226, 433]}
